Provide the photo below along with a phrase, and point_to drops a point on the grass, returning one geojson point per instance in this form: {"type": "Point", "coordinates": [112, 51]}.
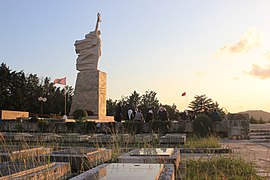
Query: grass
{"type": "Point", "coordinates": [207, 142]}
{"type": "Point", "coordinates": [221, 167]}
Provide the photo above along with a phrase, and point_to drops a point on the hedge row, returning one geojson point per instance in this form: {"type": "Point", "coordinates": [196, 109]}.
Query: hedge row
{"type": "Point", "coordinates": [81, 127]}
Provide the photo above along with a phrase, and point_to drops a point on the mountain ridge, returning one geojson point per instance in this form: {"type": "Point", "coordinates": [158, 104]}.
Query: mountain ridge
{"type": "Point", "coordinates": [258, 114]}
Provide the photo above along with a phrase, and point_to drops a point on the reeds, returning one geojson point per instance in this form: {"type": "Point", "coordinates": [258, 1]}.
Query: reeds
{"type": "Point", "coordinates": [207, 142]}
{"type": "Point", "coordinates": [220, 167]}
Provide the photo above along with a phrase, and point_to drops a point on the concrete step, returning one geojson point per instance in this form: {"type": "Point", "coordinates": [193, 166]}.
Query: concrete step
{"type": "Point", "coordinates": [260, 140]}
{"type": "Point", "coordinates": [206, 150]}
{"type": "Point", "coordinates": [259, 133]}
{"type": "Point", "coordinates": [259, 137]}
{"type": "Point", "coordinates": [259, 130]}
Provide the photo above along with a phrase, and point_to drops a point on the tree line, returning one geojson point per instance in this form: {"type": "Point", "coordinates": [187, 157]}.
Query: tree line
{"type": "Point", "coordinates": [148, 100]}
{"type": "Point", "coordinates": [144, 102]}
{"type": "Point", "coordinates": [20, 92]}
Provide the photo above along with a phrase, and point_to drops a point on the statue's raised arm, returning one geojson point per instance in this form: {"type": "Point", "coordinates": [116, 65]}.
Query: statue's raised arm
{"type": "Point", "coordinates": [89, 49]}
{"type": "Point", "coordinates": [98, 21]}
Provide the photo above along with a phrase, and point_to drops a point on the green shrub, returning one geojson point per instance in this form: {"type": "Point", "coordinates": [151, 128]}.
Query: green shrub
{"type": "Point", "coordinates": [158, 126]}
{"type": "Point", "coordinates": [91, 127]}
{"type": "Point", "coordinates": [33, 119]}
{"type": "Point", "coordinates": [43, 126]}
{"type": "Point", "coordinates": [109, 127]}
{"type": "Point", "coordinates": [70, 126]}
{"type": "Point", "coordinates": [19, 127]}
{"type": "Point", "coordinates": [87, 127]}
{"type": "Point", "coordinates": [133, 127]}
{"type": "Point", "coordinates": [202, 125]}
{"type": "Point", "coordinates": [182, 126]}
{"type": "Point", "coordinates": [79, 126]}
{"type": "Point", "coordinates": [80, 114]}
{"type": "Point", "coordinates": [90, 113]}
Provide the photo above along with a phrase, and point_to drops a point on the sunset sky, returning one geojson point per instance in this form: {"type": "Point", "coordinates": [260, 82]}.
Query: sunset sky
{"type": "Point", "coordinates": [218, 48]}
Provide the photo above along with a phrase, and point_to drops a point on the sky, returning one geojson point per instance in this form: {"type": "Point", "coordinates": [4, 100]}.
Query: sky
{"type": "Point", "coordinates": [217, 48]}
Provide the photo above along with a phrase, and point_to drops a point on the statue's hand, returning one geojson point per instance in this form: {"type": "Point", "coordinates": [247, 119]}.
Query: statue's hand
{"type": "Point", "coordinates": [99, 17]}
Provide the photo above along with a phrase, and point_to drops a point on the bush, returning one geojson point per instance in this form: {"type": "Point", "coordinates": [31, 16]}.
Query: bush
{"type": "Point", "coordinates": [202, 125]}
{"type": "Point", "coordinates": [87, 127]}
{"type": "Point", "coordinates": [43, 126]}
{"type": "Point", "coordinates": [19, 127]}
{"type": "Point", "coordinates": [33, 119]}
{"type": "Point", "coordinates": [133, 127]}
{"type": "Point", "coordinates": [70, 126]}
{"type": "Point", "coordinates": [90, 113]}
{"type": "Point", "coordinates": [80, 114]}
{"type": "Point", "coordinates": [159, 126]}
{"type": "Point", "coordinates": [91, 127]}
{"type": "Point", "coordinates": [109, 127]}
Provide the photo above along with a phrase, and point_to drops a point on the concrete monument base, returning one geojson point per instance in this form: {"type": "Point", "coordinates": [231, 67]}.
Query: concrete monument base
{"type": "Point", "coordinates": [90, 94]}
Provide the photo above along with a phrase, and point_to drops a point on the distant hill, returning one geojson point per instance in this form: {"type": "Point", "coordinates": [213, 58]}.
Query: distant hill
{"type": "Point", "coordinates": [257, 114]}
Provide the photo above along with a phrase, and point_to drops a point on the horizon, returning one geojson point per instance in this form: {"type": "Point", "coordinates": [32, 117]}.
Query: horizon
{"type": "Point", "coordinates": [220, 49]}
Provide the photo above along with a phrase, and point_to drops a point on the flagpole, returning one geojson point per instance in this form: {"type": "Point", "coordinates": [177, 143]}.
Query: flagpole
{"type": "Point", "coordinates": [65, 100]}
{"type": "Point", "coordinates": [63, 81]}
{"type": "Point", "coordinates": [186, 102]}
{"type": "Point", "coordinates": [185, 94]}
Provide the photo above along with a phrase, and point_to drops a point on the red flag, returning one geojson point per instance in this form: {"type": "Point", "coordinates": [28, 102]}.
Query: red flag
{"type": "Point", "coordinates": [60, 81]}
{"type": "Point", "coordinates": [184, 93]}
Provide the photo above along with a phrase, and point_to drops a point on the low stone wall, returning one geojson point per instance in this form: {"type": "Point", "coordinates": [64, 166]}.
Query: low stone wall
{"type": "Point", "coordinates": [233, 126]}
{"type": "Point", "coordinates": [150, 157]}
{"type": "Point", "coordinates": [27, 126]}
{"type": "Point", "coordinates": [238, 129]}
{"type": "Point", "coordinates": [238, 126]}
{"type": "Point", "coordinates": [80, 159]}
{"type": "Point", "coordinates": [7, 155]}
{"type": "Point", "coordinates": [173, 139]}
{"type": "Point", "coordinates": [28, 170]}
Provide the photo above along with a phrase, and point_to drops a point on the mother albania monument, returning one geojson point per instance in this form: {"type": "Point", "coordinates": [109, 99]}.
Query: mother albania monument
{"type": "Point", "coordinates": [90, 89]}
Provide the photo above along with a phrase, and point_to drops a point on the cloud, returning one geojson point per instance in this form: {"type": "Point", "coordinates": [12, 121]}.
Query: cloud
{"type": "Point", "coordinates": [258, 71]}
{"type": "Point", "coordinates": [250, 39]}
{"type": "Point", "coordinates": [267, 55]}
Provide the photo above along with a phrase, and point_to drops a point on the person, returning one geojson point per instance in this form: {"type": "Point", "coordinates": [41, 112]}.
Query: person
{"type": "Point", "coordinates": [215, 116]}
{"type": "Point", "coordinates": [163, 114]}
{"type": "Point", "coordinates": [159, 112]}
{"type": "Point", "coordinates": [118, 113]}
{"type": "Point", "coordinates": [130, 114]}
{"type": "Point", "coordinates": [89, 49]}
{"type": "Point", "coordinates": [139, 116]}
{"type": "Point", "coordinates": [207, 112]}
{"type": "Point", "coordinates": [183, 116]}
{"type": "Point", "coordinates": [149, 116]}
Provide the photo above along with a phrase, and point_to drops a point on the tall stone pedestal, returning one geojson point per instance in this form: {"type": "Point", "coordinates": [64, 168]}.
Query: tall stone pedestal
{"type": "Point", "coordinates": [90, 94]}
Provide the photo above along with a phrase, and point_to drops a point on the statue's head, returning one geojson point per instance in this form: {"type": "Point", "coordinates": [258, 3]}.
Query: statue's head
{"type": "Point", "coordinates": [99, 32]}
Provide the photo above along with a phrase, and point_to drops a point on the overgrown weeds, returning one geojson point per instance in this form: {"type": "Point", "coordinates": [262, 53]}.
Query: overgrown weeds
{"type": "Point", "coordinates": [220, 167]}
{"type": "Point", "coordinates": [198, 142]}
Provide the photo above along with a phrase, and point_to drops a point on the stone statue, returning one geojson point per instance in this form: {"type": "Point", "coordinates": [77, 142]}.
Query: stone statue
{"type": "Point", "coordinates": [89, 49]}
